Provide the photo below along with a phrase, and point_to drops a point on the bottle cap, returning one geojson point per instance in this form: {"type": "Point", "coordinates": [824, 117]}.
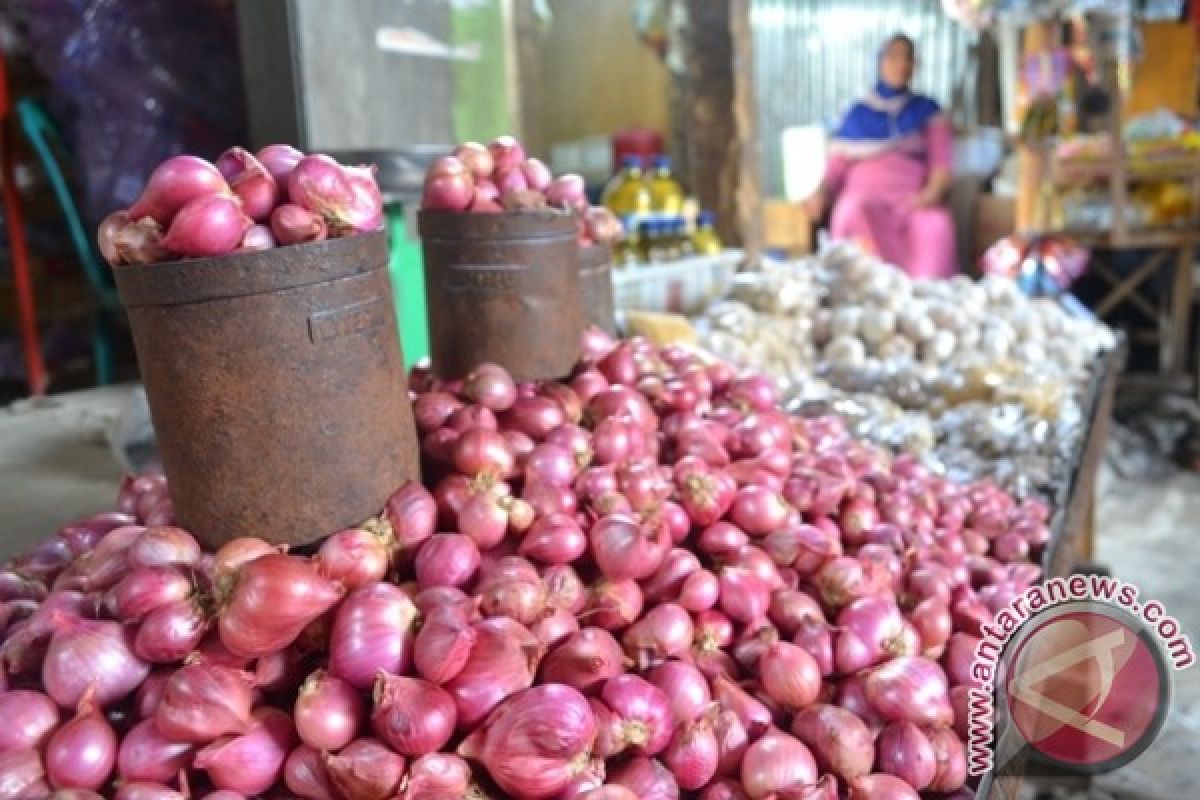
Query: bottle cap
{"type": "Point", "coordinates": [631, 162]}
{"type": "Point", "coordinates": [661, 161]}
{"type": "Point", "coordinates": [705, 218]}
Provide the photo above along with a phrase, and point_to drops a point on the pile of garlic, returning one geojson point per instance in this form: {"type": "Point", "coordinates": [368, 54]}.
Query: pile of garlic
{"type": "Point", "coordinates": [974, 375]}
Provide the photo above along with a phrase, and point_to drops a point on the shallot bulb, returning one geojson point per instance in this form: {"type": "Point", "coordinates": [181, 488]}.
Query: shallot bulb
{"type": "Point", "coordinates": [881, 787]}
{"type": "Point", "coordinates": [251, 762]}
{"type": "Point", "coordinates": [686, 689]}
{"type": "Point", "coordinates": [173, 184]}
{"type": "Point", "coordinates": [146, 754]}
{"type": "Point", "coordinates": [201, 702]}
{"type": "Point", "coordinates": [328, 712]}
{"type": "Point", "coordinates": [29, 718]}
{"type": "Point", "coordinates": [789, 675]}
{"type": "Point", "coordinates": [533, 743]}
{"type": "Point", "coordinates": [372, 631]}
{"type": "Point", "coordinates": [692, 754]}
{"type": "Point", "coordinates": [437, 776]}
{"type": "Point", "coordinates": [413, 716]}
{"type": "Point", "coordinates": [906, 752]}
{"type": "Point", "coordinates": [272, 599]}
{"type": "Point", "coordinates": [207, 226]}
{"type": "Point", "coordinates": [910, 689]}
{"type": "Point", "coordinates": [643, 710]}
{"type": "Point", "coordinates": [365, 769]}
{"type": "Point", "coordinates": [82, 753]}
{"type": "Point", "coordinates": [443, 644]}
{"type": "Point", "coordinates": [585, 660]}
{"type": "Point", "coordinates": [355, 557]}
{"type": "Point", "coordinates": [776, 762]}
{"type": "Point", "coordinates": [503, 661]}
{"type": "Point", "coordinates": [839, 740]}
{"type": "Point", "coordinates": [90, 654]}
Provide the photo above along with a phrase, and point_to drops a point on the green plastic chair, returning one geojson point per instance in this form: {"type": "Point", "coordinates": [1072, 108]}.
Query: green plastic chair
{"type": "Point", "coordinates": [45, 140]}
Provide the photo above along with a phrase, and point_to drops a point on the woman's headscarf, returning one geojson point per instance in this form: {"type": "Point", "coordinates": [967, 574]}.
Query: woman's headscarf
{"type": "Point", "coordinates": [886, 119]}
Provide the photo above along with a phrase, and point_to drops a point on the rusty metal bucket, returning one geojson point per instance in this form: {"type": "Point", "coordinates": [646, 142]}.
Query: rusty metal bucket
{"type": "Point", "coordinates": [276, 386]}
{"type": "Point", "coordinates": [502, 288]}
{"type": "Point", "coordinates": [596, 288]}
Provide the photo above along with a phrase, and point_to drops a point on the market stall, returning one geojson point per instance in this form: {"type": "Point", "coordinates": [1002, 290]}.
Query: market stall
{"type": "Point", "coordinates": [649, 517]}
{"type": "Point", "coordinates": [577, 566]}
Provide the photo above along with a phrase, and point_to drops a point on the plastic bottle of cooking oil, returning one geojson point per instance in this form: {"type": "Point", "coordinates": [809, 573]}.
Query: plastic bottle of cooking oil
{"type": "Point", "coordinates": [680, 238]}
{"type": "Point", "coordinates": [705, 240]}
{"type": "Point", "coordinates": [666, 196]}
{"type": "Point", "coordinates": [629, 249]}
{"type": "Point", "coordinates": [691, 210]}
{"type": "Point", "coordinates": [627, 193]}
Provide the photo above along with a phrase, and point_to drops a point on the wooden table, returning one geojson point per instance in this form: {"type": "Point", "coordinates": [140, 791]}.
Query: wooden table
{"type": "Point", "coordinates": [1072, 547]}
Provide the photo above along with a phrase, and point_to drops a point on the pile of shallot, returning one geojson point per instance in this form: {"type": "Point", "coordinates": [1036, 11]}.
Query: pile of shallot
{"type": "Point", "coordinates": [191, 208]}
{"type": "Point", "coordinates": [498, 177]}
{"type": "Point", "coordinates": [643, 582]}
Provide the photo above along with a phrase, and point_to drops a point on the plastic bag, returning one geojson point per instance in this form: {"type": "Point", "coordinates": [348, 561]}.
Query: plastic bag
{"type": "Point", "coordinates": [134, 83]}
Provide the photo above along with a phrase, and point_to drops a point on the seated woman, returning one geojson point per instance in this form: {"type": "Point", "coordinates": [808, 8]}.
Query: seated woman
{"type": "Point", "coordinates": [888, 172]}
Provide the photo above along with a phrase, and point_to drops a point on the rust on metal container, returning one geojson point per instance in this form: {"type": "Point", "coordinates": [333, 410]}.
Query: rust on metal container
{"type": "Point", "coordinates": [596, 288]}
{"type": "Point", "coordinates": [276, 386]}
{"type": "Point", "coordinates": [502, 288]}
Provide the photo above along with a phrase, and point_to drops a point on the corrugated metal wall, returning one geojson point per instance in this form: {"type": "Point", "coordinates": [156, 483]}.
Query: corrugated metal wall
{"type": "Point", "coordinates": [813, 57]}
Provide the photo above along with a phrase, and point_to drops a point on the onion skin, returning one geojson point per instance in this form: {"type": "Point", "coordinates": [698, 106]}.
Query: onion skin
{"type": "Point", "coordinates": [584, 661]}
{"type": "Point", "coordinates": [207, 227]}
{"type": "Point", "coordinates": [328, 712]}
{"type": "Point", "coordinates": [951, 758]}
{"type": "Point", "coordinates": [22, 776]}
{"type": "Point", "coordinates": [446, 559]}
{"type": "Point", "coordinates": [686, 688]}
{"type": "Point", "coordinates": [438, 776]}
{"type": "Point", "coordinates": [692, 754]}
{"type": "Point", "coordinates": [906, 752]}
{"type": "Point", "coordinates": [372, 631]}
{"type": "Point", "coordinates": [355, 557]}
{"type": "Point", "coordinates": [414, 717]}
{"type": "Point", "coordinates": [91, 654]}
{"type": "Point", "coordinates": [146, 755]}
{"type": "Point", "coordinates": [910, 689]}
{"type": "Point", "coordinates": [644, 711]}
{"type": "Point", "coordinates": [623, 550]}
{"type": "Point", "coordinates": [203, 702]}
{"type": "Point", "coordinates": [754, 716]}
{"type": "Point", "coordinates": [272, 600]}
{"type": "Point", "coordinates": [530, 743]}
{"type": "Point", "coordinates": [304, 773]}
{"type": "Point", "coordinates": [443, 644]}
{"type": "Point", "coordinates": [145, 790]}
{"type": "Point", "coordinates": [82, 753]}
{"type": "Point", "coordinates": [29, 719]}
{"type": "Point", "coordinates": [775, 762]}
{"type": "Point", "coordinates": [411, 513]}
{"type": "Point", "coordinates": [164, 546]}
{"type": "Point", "coordinates": [790, 675]}
{"type": "Point", "coordinates": [665, 631]}
{"type": "Point", "coordinates": [252, 762]}
{"type": "Point", "coordinates": [881, 787]}
{"type": "Point", "coordinates": [647, 778]}
{"type": "Point", "coordinates": [171, 632]}
{"type": "Point", "coordinates": [502, 662]}
{"type": "Point", "coordinates": [173, 184]}
{"type": "Point", "coordinates": [839, 740]}
{"type": "Point", "coordinates": [365, 770]}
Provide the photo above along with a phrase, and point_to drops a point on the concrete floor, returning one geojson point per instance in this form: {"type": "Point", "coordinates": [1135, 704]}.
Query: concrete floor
{"type": "Point", "coordinates": [56, 465]}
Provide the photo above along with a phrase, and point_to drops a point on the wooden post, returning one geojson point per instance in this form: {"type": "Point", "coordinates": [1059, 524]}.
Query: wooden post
{"type": "Point", "coordinates": [528, 37]}
{"type": "Point", "coordinates": [720, 120]}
